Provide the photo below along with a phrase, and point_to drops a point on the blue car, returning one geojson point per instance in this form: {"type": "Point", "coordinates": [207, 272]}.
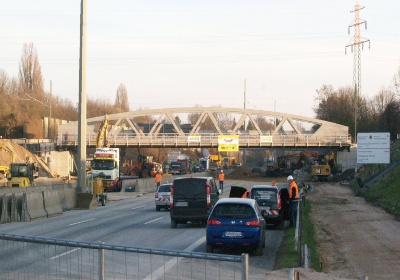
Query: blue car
{"type": "Point", "coordinates": [236, 223]}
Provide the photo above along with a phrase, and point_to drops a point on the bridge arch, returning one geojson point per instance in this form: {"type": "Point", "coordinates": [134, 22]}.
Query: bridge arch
{"type": "Point", "coordinates": [173, 127]}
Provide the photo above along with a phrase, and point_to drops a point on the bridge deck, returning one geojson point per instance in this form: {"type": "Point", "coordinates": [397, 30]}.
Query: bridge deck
{"type": "Point", "coordinates": [211, 140]}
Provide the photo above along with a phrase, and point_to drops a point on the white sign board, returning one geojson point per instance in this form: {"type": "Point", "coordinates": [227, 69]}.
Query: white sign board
{"type": "Point", "coordinates": [373, 147]}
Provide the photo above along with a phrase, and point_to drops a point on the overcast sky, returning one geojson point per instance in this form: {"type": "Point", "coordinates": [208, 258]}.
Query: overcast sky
{"type": "Point", "coordinates": [186, 53]}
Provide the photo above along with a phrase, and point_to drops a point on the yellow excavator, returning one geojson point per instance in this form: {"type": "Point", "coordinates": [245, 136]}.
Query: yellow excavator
{"type": "Point", "coordinates": [21, 174]}
{"type": "Point", "coordinates": [5, 170]}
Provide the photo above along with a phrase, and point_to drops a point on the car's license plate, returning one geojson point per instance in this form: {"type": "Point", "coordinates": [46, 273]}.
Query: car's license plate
{"type": "Point", "coordinates": [181, 203]}
{"type": "Point", "coordinates": [233, 234]}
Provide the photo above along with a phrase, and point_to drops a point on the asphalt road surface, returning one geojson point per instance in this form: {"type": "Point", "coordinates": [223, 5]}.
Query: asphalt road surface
{"type": "Point", "coordinates": [130, 219]}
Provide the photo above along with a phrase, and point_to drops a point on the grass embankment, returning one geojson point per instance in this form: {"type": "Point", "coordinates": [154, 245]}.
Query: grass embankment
{"type": "Point", "coordinates": [385, 193]}
{"type": "Point", "coordinates": [287, 256]}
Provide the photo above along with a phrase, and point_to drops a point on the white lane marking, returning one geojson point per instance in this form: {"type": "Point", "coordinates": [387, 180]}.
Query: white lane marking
{"type": "Point", "coordinates": [149, 222]}
{"type": "Point", "coordinates": [63, 254]}
{"type": "Point", "coordinates": [159, 273]}
{"type": "Point", "coordinates": [77, 223]}
{"type": "Point", "coordinates": [138, 207]}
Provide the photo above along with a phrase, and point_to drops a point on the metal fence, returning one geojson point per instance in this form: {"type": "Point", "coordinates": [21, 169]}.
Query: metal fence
{"type": "Point", "coordinates": [30, 257]}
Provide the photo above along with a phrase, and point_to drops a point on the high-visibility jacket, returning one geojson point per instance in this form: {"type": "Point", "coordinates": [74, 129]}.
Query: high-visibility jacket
{"type": "Point", "coordinates": [221, 176]}
{"type": "Point", "coordinates": [246, 194]}
{"type": "Point", "coordinates": [158, 178]}
{"type": "Point", "coordinates": [293, 188]}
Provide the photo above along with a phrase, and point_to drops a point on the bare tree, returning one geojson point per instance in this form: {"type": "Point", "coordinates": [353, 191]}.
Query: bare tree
{"type": "Point", "coordinates": [396, 82]}
{"type": "Point", "coordinates": [30, 73]}
{"type": "Point", "coordinates": [3, 83]}
{"type": "Point", "coordinates": [121, 99]}
{"type": "Point", "coordinates": [384, 97]}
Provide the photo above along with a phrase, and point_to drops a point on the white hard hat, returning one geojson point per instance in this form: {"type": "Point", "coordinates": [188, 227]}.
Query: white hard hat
{"type": "Point", "coordinates": [222, 171]}
{"type": "Point", "coordinates": [290, 177]}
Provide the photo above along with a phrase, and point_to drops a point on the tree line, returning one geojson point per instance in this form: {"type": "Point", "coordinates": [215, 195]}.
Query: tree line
{"type": "Point", "coordinates": [26, 103]}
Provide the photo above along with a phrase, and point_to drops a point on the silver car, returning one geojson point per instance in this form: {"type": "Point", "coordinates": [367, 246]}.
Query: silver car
{"type": "Point", "coordinates": [162, 196]}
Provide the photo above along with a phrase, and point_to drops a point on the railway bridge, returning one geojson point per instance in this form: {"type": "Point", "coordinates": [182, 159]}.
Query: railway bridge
{"type": "Point", "coordinates": [200, 127]}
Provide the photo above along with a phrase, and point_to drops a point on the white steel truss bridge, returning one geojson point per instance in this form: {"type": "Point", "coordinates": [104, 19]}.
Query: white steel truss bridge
{"type": "Point", "coordinates": [200, 127]}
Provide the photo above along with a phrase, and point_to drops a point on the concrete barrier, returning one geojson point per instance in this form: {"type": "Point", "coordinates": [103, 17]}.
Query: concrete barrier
{"type": "Point", "coordinates": [17, 206]}
{"type": "Point", "coordinates": [67, 198]}
{"type": "Point", "coordinates": [131, 185]}
{"type": "Point", "coordinates": [52, 203]}
{"type": "Point", "coordinates": [34, 206]}
{"type": "Point", "coordinates": [13, 209]}
{"type": "Point", "coordinates": [5, 213]}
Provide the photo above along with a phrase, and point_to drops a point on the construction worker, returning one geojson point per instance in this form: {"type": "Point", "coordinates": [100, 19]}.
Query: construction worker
{"type": "Point", "coordinates": [246, 194]}
{"type": "Point", "coordinates": [294, 200]}
{"type": "Point", "coordinates": [158, 179]}
{"type": "Point", "coordinates": [221, 178]}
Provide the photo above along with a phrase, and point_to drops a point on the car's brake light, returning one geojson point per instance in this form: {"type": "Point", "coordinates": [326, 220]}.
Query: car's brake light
{"type": "Point", "coordinates": [171, 198]}
{"type": "Point", "coordinates": [156, 195]}
{"type": "Point", "coordinates": [253, 223]}
{"type": "Point", "coordinates": [208, 197]}
{"type": "Point", "coordinates": [213, 222]}
{"type": "Point", "coordinates": [279, 202]}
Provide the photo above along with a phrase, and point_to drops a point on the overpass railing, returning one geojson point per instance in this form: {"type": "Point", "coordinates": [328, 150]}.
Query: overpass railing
{"type": "Point", "coordinates": [211, 140]}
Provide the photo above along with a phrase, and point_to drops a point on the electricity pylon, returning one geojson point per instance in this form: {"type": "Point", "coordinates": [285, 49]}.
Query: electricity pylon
{"type": "Point", "coordinates": [356, 45]}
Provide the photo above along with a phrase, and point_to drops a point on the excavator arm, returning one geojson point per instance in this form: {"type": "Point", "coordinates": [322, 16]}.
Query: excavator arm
{"type": "Point", "coordinates": [102, 135]}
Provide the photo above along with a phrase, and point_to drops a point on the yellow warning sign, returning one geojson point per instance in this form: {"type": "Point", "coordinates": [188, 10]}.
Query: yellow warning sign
{"type": "Point", "coordinates": [228, 143]}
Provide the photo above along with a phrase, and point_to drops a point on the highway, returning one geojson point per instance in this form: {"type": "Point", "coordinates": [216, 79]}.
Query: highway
{"type": "Point", "coordinates": [130, 219]}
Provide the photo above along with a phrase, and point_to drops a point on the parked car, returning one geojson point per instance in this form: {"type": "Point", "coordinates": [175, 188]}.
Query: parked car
{"type": "Point", "coordinates": [198, 168]}
{"type": "Point", "coordinates": [268, 199]}
{"type": "Point", "coordinates": [162, 196]}
{"type": "Point", "coordinates": [236, 223]}
{"type": "Point", "coordinates": [192, 199]}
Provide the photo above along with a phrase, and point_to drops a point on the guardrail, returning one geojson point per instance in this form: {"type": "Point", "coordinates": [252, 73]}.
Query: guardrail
{"type": "Point", "coordinates": [31, 257]}
{"type": "Point", "coordinates": [211, 140]}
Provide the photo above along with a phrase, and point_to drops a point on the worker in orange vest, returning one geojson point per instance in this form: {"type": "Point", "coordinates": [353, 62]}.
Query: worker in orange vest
{"type": "Point", "coordinates": [221, 178]}
{"type": "Point", "coordinates": [246, 194]}
{"type": "Point", "coordinates": [294, 200]}
{"type": "Point", "coordinates": [158, 179]}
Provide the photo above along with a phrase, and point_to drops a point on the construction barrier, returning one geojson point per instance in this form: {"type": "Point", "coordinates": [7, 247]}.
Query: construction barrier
{"type": "Point", "coordinates": [34, 206]}
{"type": "Point", "coordinates": [67, 198]}
{"type": "Point", "coordinates": [18, 207]}
{"type": "Point", "coordinates": [52, 203]}
{"type": "Point", "coordinates": [5, 207]}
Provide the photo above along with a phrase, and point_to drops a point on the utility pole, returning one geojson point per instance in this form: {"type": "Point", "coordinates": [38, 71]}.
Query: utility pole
{"type": "Point", "coordinates": [81, 184]}
{"type": "Point", "coordinates": [356, 45]}
{"type": "Point", "coordinates": [50, 126]}
{"type": "Point", "coordinates": [245, 128]}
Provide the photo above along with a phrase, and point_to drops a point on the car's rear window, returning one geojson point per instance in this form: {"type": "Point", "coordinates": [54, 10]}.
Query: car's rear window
{"type": "Point", "coordinates": [165, 188]}
{"type": "Point", "coordinates": [269, 195]}
{"type": "Point", "coordinates": [234, 211]}
{"type": "Point", "coordinates": [190, 187]}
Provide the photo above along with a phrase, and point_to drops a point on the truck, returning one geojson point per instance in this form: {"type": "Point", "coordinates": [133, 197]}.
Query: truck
{"type": "Point", "coordinates": [229, 162]}
{"type": "Point", "coordinates": [204, 162]}
{"type": "Point", "coordinates": [215, 162]}
{"type": "Point", "coordinates": [145, 167]}
{"type": "Point", "coordinates": [105, 164]}
{"type": "Point", "coordinates": [22, 174]}
{"type": "Point", "coordinates": [183, 158]}
{"type": "Point", "coordinates": [177, 168]}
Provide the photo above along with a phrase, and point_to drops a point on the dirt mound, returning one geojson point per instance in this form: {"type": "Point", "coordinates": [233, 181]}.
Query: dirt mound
{"type": "Point", "coordinates": [240, 171]}
{"type": "Point", "coordinates": [12, 152]}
